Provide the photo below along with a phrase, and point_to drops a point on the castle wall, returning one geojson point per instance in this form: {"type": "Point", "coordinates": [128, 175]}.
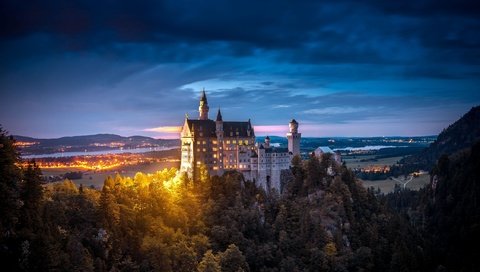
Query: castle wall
{"type": "Point", "coordinates": [268, 167]}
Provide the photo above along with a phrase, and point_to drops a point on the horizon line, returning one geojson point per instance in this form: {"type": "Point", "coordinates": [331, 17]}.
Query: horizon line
{"type": "Point", "coordinates": [256, 136]}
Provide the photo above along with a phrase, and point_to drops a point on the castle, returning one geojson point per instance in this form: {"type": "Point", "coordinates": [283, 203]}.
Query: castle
{"type": "Point", "coordinates": [220, 146]}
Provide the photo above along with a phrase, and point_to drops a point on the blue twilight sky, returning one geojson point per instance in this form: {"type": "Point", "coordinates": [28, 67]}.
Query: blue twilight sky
{"type": "Point", "coordinates": [341, 68]}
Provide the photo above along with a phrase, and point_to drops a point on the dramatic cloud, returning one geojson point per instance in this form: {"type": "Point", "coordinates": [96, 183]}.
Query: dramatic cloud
{"type": "Point", "coordinates": [339, 67]}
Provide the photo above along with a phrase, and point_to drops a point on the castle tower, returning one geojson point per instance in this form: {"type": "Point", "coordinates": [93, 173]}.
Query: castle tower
{"type": "Point", "coordinates": [249, 128]}
{"type": "Point", "coordinates": [262, 167]}
{"type": "Point", "coordinates": [294, 138]}
{"type": "Point", "coordinates": [219, 122]}
{"type": "Point", "coordinates": [267, 142]}
{"type": "Point", "coordinates": [203, 108]}
{"type": "Point", "coordinates": [219, 133]}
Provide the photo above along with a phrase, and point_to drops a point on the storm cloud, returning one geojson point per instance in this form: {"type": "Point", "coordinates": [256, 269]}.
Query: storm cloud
{"type": "Point", "coordinates": [369, 68]}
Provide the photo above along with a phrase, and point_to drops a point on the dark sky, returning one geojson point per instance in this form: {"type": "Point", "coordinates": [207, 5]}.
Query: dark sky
{"type": "Point", "coordinates": [341, 68]}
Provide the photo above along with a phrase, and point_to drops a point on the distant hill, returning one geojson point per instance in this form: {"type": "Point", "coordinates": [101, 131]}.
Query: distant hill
{"type": "Point", "coordinates": [97, 142]}
{"type": "Point", "coordinates": [460, 135]}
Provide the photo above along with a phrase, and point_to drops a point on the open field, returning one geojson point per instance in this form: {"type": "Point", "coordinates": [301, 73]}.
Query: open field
{"type": "Point", "coordinates": [387, 185]}
{"type": "Point", "coordinates": [96, 178]}
{"type": "Point", "coordinates": [355, 161]}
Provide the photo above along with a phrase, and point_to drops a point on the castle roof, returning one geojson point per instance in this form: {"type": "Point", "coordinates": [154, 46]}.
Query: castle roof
{"type": "Point", "coordinates": [206, 127]}
{"type": "Point", "coordinates": [219, 116]}
{"type": "Point", "coordinates": [324, 149]}
{"type": "Point", "coordinates": [231, 129]}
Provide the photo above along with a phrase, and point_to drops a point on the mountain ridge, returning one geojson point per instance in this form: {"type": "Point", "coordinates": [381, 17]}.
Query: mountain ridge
{"type": "Point", "coordinates": [94, 142]}
{"type": "Point", "coordinates": [462, 134]}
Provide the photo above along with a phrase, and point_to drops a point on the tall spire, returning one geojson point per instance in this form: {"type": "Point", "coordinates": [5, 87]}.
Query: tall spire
{"type": "Point", "coordinates": [219, 116]}
{"type": "Point", "coordinates": [204, 96]}
{"type": "Point", "coordinates": [203, 108]}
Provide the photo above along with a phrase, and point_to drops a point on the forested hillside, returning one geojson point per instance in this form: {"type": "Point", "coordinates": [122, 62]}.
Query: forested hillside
{"type": "Point", "coordinates": [166, 222]}
{"type": "Point", "coordinates": [447, 212]}
{"type": "Point", "coordinates": [460, 135]}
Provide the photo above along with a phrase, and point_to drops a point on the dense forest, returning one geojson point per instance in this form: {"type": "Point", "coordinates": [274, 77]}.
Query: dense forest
{"type": "Point", "coordinates": [323, 221]}
{"type": "Point", "coordinates": [447, 213]}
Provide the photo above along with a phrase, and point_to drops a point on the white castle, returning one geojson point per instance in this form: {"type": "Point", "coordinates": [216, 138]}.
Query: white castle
{"type": "Point", "coordinates": [224, 145]}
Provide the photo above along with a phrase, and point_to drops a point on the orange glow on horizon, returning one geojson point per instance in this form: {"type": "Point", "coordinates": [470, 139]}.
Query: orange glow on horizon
{"type": "Point", "coordinates": [98, 163]}
{"type": "Point", "coordinates": [165, 129]}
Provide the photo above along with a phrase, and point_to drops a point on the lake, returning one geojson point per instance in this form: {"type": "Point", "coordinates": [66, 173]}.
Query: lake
{"type": "Point", "coordinates": [103, 152]}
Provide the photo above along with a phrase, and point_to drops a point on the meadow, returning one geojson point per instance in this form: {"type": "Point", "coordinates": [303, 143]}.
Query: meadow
{"type": "Point", "coordinates": [360, 161]}
{"type": "Point", "coordinates": [387, 185]}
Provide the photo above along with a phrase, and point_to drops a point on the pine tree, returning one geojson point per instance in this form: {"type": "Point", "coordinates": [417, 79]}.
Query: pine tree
{"type": "Point", "coordinates": [10, 178]}
{"type": "Point", "coordinates": [31, 195]}
{"type": "Point", "coordinates": [314, 174]}
{"type": "Point", "coordinates": [109, 210]}
{"type": "Point", "coordinates": [209, 263]}
{"type": "Point", "coordinates": [232, 260]}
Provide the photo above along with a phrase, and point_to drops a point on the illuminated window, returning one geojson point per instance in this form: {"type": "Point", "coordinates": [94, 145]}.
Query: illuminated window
{"type": "Point", "coordinates": [240, 142]}
{"type": "Point", "coordinates": [246, 142]}
{"type": "Point", "coordinates": [214, 155]}
{"type": "Point", "coordinates": [214, 142]}
{"type": "Point", "coordinates": [198, 142]}
{"type": "Point", "coordinates": [234, 141]}
{"type": "Point", "coordinates": [204, 149]}
{"type": "Point", "coordinates": [237, 133]}
{"type": "Point", "coordinates": [228, 142]}
{"type": "Point", "coordinates": [204, 142]}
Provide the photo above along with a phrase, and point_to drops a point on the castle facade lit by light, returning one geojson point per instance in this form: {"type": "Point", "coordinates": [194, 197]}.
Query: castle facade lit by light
{"type": "Point", "coordinates": [219, 146]}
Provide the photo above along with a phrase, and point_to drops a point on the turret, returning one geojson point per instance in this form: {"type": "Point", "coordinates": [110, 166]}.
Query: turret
{"type": "Point", "coordinates": [219, 116]}
{"type": "Point", "coordinates": [267, 142]}
{"type": "Point", "coordinates": [203, 107]}
{"type": "Point", "coordinates": [293, 126]}
{"type": "Point", "coordinates": [219, 123]}
{"type": "Point", "coordinates": [249, 129]}
{"type": "Point", "coordinates": [294, 138]}
{"type": "Point", "coordinates": [219, 133]}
